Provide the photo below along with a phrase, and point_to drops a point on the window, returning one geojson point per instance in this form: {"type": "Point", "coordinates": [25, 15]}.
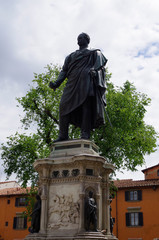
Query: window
{"type": "Point", "coordinates": [20, 202]}
{"type": "Point", "coordinates": [55, 174]}
{"type": "Point", "coordinates": [6, 224]}
{"type": "Point", "coordinates": [158, 172]}
{"type": "Point", "coordinates": [134, 195]}
{"type": "Point", "coordinates": [8, 201]}
{"type": "Point", "coordinates": [20, 222]}
{"type": "Point", "coordinates": [134, 219]}
{"type": "Point", "coordinates": [89, 172]}
{"type": "Point", "coordinates": [65, 173]}
{"type": "Point", "coordinates": [75, 172]}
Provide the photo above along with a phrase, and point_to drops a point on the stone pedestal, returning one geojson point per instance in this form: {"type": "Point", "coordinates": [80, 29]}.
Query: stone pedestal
{"type": "Point", "coordinates": [73, 169]}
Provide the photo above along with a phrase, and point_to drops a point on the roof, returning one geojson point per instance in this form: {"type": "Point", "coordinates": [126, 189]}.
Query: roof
{"type": "Point", "coordinates": [127, 183]}
{"type": "Point", "coordinates": [9, 184]}
{"type": "Point", "coordinates": [13, 191]}
{"type": "Point", "coordinates": [144, 170]}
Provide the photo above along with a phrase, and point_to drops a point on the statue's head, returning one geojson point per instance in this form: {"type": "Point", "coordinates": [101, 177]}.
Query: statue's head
{"type": "Point", "coordinates": [38, 197]}
{"type": "Point", "coordinates": [83, 39]}
{"type": "Point", "coordinates": [90, 194]}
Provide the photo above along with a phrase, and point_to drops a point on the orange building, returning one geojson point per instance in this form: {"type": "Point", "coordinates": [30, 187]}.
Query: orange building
{"type": "Point", "coordinates": [13, 224]}
{"type": "Point", "coordinates": [135, 207]}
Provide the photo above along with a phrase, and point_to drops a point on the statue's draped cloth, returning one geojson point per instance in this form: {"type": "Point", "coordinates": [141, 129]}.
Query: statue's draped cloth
{"type": "Point", "coordinates": [81, 84]}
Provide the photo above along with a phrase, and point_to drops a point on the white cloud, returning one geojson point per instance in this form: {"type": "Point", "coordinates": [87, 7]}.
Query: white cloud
{"type": "Point", "coordinates": [34, 33]}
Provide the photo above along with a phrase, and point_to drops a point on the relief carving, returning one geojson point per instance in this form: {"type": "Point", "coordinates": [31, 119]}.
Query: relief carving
{"type": "Point", "coordinates": [63, 212]}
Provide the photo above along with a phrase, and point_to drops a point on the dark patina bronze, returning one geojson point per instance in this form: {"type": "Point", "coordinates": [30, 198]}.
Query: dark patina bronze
{"type": "Point", "coordinates": [83, 100]}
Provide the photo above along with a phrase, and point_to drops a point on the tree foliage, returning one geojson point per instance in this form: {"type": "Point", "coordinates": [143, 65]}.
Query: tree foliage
{"type": "Point", "coordinates": [124, 145]}
{"type": "Point", "coordinates": [30, 202]}
{"type": "Point", "coordinates": [131, 138]}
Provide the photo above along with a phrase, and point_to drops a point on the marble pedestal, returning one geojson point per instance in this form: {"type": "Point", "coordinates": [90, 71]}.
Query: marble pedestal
{"type": "Point", "coordinates": [65, 178]}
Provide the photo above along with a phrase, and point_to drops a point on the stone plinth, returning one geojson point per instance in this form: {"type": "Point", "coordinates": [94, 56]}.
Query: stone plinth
{"type": "Point", "coordinates": [73, 169]}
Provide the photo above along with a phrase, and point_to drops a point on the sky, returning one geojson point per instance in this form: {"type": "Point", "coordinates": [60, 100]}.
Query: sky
{"type": "Point", "coordinates": [35, 33]}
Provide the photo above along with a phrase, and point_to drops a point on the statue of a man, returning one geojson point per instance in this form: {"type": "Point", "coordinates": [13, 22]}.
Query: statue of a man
{"type": "Point", "coordinates": [91, 212]}
{"type": "Point", "coordinates": [83, 100]}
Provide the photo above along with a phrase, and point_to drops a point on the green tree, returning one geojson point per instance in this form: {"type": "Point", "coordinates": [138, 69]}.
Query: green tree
{"type": "Point", "coordinates": [131, 138]}
{"type": "Point", "coordinates": [124, 145]}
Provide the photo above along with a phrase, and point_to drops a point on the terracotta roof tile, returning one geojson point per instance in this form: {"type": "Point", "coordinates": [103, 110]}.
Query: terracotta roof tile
{"type": "Point", "coordinates": [13, 191]}
{"type": "Point", "coordinates": [139, 183]}
{"type": "Point", "coordinates": [8, 182]}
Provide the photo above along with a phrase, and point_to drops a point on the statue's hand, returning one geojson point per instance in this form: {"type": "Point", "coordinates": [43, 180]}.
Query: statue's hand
{"type": "Point", "coordinates": [93, 72]}
{"type": "Point", "coordinates": [52, 85]}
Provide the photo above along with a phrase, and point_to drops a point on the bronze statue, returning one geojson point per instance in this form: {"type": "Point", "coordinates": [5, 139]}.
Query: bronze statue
{"type": "Point", "coordinates": [35, 221]}
{"type": "Point", "coordinates": [83, 100]}
{"type": "Point", "coordinates": [91, 213]}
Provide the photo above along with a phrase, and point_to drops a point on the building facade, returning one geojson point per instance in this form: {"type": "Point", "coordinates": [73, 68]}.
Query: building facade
{"type": "Point", "coordinates": [135, 208]}
{"type": "Point", "coordinates": [13, 224]}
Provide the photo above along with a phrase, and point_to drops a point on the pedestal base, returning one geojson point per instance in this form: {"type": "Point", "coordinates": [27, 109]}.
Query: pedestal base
{"type": "Point", "coordinates": [72, 171]}
{"type": "Point", "coordinates": [82, 236]}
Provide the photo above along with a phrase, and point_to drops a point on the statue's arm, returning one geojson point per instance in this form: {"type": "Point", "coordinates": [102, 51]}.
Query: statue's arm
{"type": "Point", "coordinates": [59, 80]}
{"type": "Point", "coordinates": [62, 75]}
{"type": "Point", "coordinates": [100, 61]}
{"type": "Point", "coordinates": [37, 207]}
{"type": "Point", "coordinates": [97, 64]}
{"type": "Point", "coordinates": [92, 205]}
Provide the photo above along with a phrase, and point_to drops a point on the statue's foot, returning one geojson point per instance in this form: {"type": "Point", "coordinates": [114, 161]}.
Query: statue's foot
{"type": "Point", "coordinates": [85, 135]}
{"type": "Point", "coordinates": [86, 138]}
{"type": "Point", "coordinates": [59, 139]}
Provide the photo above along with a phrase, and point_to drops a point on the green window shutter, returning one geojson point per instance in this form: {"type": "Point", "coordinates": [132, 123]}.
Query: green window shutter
{"type": "Point", "coordinates": [126, 195]}
{"type": "Point", "coordinates": [127, 219]}
{"type": "Point", "coordinates": [26, 201]}
{"type": "Point", "coordinates": [25, 222]}
{"type": "Point", "coordinates": [140, 219]}
{"type": "Point", "coordinates": [139, 195]}
{"type": "Point", "coordinates": [14, 222]}
{"type": "Point", "coordinates": [17, 202]}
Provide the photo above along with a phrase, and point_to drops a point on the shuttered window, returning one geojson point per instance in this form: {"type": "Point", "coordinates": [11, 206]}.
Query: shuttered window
{"type": "Point", "coordinates": [134, 219]}
{"type": "Point", "coordinates": [134, 195]}
{"type": "Point", "coordinates": [21, 202]}
{"type": "Point", "coordinates": [20, 222]}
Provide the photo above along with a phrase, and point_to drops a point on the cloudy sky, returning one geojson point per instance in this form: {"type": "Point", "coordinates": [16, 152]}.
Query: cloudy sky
{"type": "Point", "coordinates": [37, 32]}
